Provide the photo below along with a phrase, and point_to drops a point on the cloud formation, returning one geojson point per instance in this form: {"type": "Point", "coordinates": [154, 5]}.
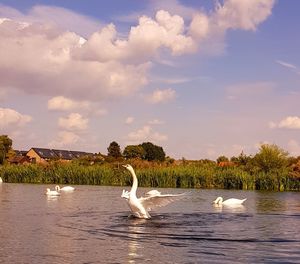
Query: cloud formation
{"type": "Point", "coordinates": [161, 96]}
{"type": "Point", "coordinates": [290, 122]}
{"type": "Point", "coordinates": [37, 58]}
{"type": "Point", "coordinates": [61, 103]}
{"type": "Point", "coordinates": [73, 121]}
{"type": "Point", "coordinates": [209, 29]}
{"type": "Point", "coordinates": [41, 52]}
{"type": "Point", "coordinates": [65, 139]}
{"type": "Point", "coordinates": [289, 66]}
{"type": "Point", "coordinates": [144, 134]}
{"type": "Point", "coordinates": [10, 118]}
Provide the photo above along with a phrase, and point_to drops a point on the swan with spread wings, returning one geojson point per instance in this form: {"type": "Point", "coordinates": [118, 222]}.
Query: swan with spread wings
{"type": "Point", "coordinates": [140, 207]}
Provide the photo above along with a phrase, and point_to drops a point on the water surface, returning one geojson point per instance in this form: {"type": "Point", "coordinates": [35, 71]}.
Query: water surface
{"type": "Point", "coordinates": [91, 225]}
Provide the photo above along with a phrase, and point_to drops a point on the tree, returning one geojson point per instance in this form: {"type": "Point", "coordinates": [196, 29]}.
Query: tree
{"type": "Point", "coordinates": [242, 159]}
{"type": "Point", "coordinates": [134, 151]}
{"type": "Point", "coordinates": [153, 152]}
{"type": "Point", "coordinates": [270, 158]}
{"type": "Point", "coordinates": [5, 147]}
{"type": "Point", "coordinates": [222, 159]}
{"type": "Point", "coordinates": [114, 150]}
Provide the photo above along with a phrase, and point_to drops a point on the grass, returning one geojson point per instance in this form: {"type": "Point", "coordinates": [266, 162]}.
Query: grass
{"type": "Point", "coordinates": [150, 175]}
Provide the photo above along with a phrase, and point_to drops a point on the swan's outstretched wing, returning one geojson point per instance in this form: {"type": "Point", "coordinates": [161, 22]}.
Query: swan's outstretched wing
{"type": "Point", "coordinates": [125, 194]}
{"type": "Point", "coordinates": [152, 201]}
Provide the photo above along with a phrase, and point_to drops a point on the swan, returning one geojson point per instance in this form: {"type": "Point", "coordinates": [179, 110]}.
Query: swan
{"type": "Point", "coordinates": [52, 193]}
{"type": "Point", "coordinates": [140, 207]}
{"type": "Point", "coordinates": [230, 201]}
{"type": "Point", "coordinates": [125, 194]}
{"type": "Point", "coordinates": [1, 180]}
{"type": "Point", "coordinates": [64, 189]}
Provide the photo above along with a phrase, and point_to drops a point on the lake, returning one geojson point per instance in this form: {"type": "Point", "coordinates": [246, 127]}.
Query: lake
{"type": "Point", "coordinates": [91, 225]}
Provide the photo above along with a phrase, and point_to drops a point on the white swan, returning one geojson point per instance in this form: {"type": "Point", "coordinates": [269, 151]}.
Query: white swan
{"type": "Point", "coordinates": [1, 180]}
{"type": "Point", "coordinates": [64, 189]}
{"type": "Point", "coordinates": [52, 193]}
{"type": "Point", "coordinates": [140, 207]}
{"type": "Point", "coordinates": [230, 201]}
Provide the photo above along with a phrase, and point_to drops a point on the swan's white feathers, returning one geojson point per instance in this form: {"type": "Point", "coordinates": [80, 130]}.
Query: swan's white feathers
{"type": "Point", "coordinates": [154, 201]}
{"type": "Point", "coordinates": [52, 193]}
{"type": "Point", "coordinates": [125, 194]}
{"type": "Point", "coordinates": [140, 207]}
{"type": "Point", "coordinates": [230, 201]}
{"type": "Point", "coordinates": [64, 189]}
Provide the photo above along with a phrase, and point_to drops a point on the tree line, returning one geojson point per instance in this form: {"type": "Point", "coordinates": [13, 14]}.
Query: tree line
{"type": "Point", "coordinates": [271, 168]}
{"type": "Point", "coordinates": [145, 151]}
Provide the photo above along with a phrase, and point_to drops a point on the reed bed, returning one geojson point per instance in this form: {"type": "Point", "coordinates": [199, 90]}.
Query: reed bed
{"type": "Point", "coordinates": [157, 175]}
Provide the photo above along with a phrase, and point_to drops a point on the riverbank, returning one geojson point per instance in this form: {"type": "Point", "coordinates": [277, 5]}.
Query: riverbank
{"type": "Point", "coordinates": [158, 175]}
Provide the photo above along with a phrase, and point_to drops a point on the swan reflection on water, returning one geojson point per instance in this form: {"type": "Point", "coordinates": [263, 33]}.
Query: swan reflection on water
{"type": "Point", "coordinates": [135, 229]}
{"type": "Point", "coordinates": [237, 208]}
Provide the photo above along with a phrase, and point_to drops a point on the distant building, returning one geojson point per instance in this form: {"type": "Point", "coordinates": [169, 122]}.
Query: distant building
{"type": "Point", "coordinates": [43, 155]}
{"type": "Point", "coordinates": [20, 152]}
{"type": "Point", "coordinates": [19, 160]}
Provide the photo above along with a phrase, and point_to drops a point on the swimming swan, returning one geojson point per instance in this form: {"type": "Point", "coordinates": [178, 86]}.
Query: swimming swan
{"type": "Point", "coordinates": [52, 193]}
{"type": "Point", "coordinates": [140, 207]}
{"type": "Point", "coordinates": [1, 180]}
{"type": "Point", "coordinates": [64, 189]}
{"type": "Point", "coordinates": [231, 201]}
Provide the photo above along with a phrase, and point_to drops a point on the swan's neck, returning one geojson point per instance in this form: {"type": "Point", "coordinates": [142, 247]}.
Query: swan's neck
{"type": "Point", "coordinates": [134, 184]}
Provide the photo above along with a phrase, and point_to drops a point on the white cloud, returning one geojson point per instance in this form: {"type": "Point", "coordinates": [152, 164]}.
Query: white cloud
{"type": "Point", "coordinates": [162, 96]}
{"type": "Point", "coordinates": [290, 122]}
{"type": "Point", "coordinates": [61, 17]}
{"type": "Point", "coordinates": [143, 43]}
{"type": "Point", "coordinates": [129, 120]}
{"type": "Point", "coordinates": [173, 7]}
{"type": "Point", "coordinates": [64, 139]}
{"type": "Point", "coordinates": [246, 14]}
{"type": "Point", "coordinates": [209, 29]}
{"type": "Point", "coordinates": [64, 104]}
{"type": "Point", "coordinates": [144, 134]}
{"type": "Point", "coordinates": [74, 121]}
{"type": "Point", "coordinates": [39, 59]}
{"type": "Point", "coordinates": [41, 54]}
{"type": "Point", "coordinates": [286, 64]}
{"type": "Point", "coordinates": [9, 118]}
{"type": "Point", "coordinates": [289, 66]}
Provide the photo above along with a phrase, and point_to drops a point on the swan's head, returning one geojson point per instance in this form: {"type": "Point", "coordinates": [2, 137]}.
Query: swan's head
{"type": "Point", "coordinates": [57, 188]}
{"type": "Point", "coordinates": [48, 190]}
{"type": "Point", "coordinates": [128, 167]}
{"type": "Point", "coordinates": [219, 200]}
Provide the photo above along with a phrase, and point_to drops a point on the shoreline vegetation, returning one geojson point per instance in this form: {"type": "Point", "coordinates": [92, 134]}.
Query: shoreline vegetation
{"type": "Point", "coordinates": [271, 168]}
{"type": "Point", "coordinates": [197, 174]}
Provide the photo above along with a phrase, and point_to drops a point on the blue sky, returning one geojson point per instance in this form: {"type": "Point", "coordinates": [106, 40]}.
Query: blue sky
{"type": "Point", "coordinates": [199, 78]}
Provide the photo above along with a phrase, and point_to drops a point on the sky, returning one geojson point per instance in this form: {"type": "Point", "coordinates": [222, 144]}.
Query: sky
{"type": "Point", "coordinates": [199, 78]}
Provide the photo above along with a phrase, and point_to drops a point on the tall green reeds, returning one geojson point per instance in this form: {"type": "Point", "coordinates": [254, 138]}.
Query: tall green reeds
{"type": "Point", "coordinates": [151, 175]}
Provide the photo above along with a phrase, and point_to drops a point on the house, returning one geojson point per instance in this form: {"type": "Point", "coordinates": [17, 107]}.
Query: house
{"type": "Point", "coordinates": [19, 160]}
{"type": "Point", "coordinates": [43, 155]}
